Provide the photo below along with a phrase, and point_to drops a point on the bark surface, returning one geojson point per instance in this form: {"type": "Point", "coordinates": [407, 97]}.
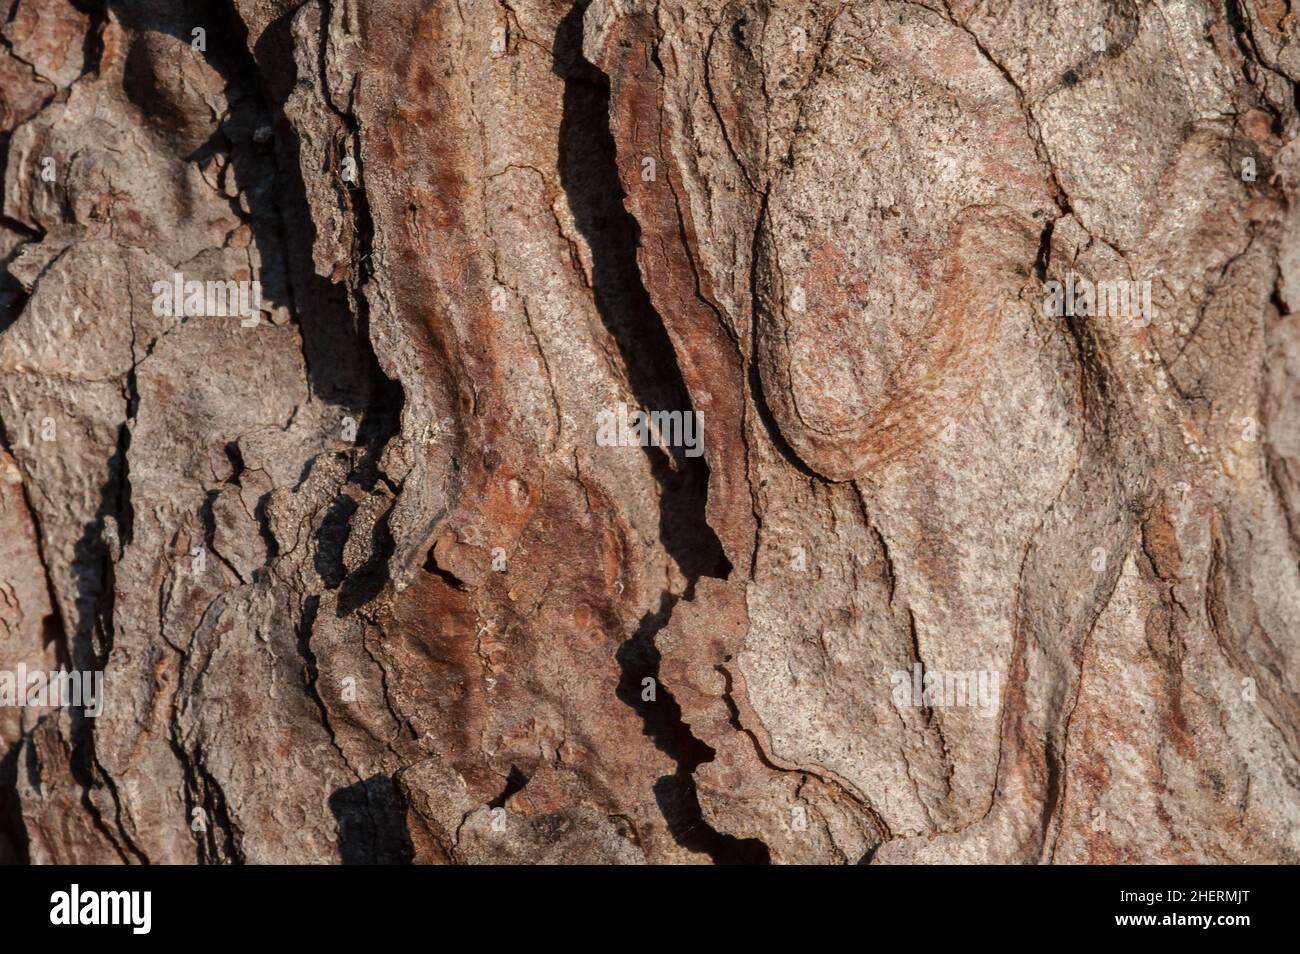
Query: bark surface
{"type": "Point", "coordinates": [365, 584]}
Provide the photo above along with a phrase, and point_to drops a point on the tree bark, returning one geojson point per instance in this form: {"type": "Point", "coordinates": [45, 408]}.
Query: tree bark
{"type": "Point", "coordinates": [990, 551]}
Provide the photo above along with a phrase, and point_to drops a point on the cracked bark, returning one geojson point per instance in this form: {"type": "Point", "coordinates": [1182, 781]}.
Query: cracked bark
{"type": "Point", "coordinates": [365, 587]}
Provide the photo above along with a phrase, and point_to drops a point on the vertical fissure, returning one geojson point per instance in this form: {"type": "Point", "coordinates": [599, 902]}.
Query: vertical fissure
{"type": "Point", "coordinates": [590, 178]}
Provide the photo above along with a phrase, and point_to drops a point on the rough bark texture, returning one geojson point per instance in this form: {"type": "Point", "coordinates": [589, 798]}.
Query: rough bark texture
{"type": "Point", "coordinates": [364, 585]}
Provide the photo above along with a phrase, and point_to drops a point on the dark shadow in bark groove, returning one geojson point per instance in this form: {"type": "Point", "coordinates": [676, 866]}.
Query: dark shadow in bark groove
{"type": "Point", "coordinates": [675, 794]}
{"type": "Point", "coordinates": [516, 781]}
{"type": "Point", "coordinates": [331, 538]}
{"type": "Point", "coordinates": [589, 176]}
{"type": "Point", "coordinates": [13, 833]}
{"type": "Point", "coordinates": [368, 580]}
{"type": "Point", "coordinates": [372, 823]}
